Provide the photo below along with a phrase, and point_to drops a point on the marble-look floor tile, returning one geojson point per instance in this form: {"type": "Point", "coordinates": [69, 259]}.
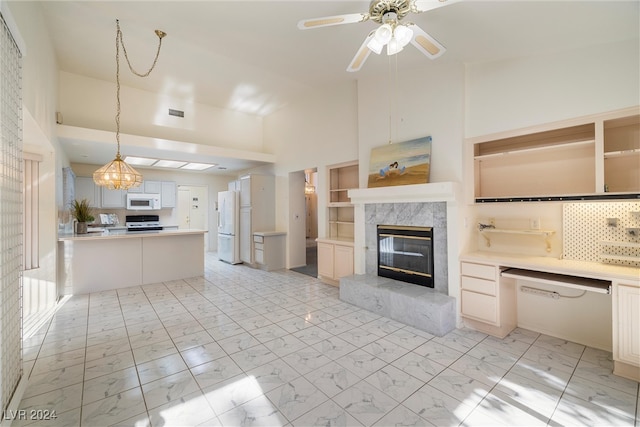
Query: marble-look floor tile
{"type": "Point", "coordinates": [332, 378]}
{"type": "Point", "coordinates": [508, 344]}
{"type": "Point", "coordinates": [113, 409]}
{"type": "Point", "coordinates": [109, 385]}
{"type": "Point", "coordinates": [170, 388]}
{"type": "Point", "coordinates": [621, 404]}
{"type": "Point", "coordinates": [394, 382]}
{"type": "Point", "coordinates": [238, 342]}
{"type": "Point", "coordinates": [493, 356]}
{"type": "Point", "coordinates": [52, 380]}
{"type": "Point", "coordinates": [232, 392]}
{"type": "Point", "coordinates": [461, 387]}
{"type": "Point", "coordinates": [285, 345]}
{"type": "Point", "coordinates": [328, 414]}
{"type": "Point", "coordinates": [154, 351]}
{"type": "Point", "coordinates": [109, 348]}
{"type": "Point", "coordinates": [361, 363]}
{"type": "Point", "coordinates": [360, 317]}
{"type": "Point", "coordinates": [401, 416]}
{"type": "Point", "coordinates": [252, 323]}
{"type": "Point", "coordinates": [160, 368]}
{"type": "Point", "coordinates": [538, 397]}
{"type": "Point", "coordinates": [214, 372]}
{"type": "Point", "coordinates": [561, 346]}
{"type": "Point", "coordinates": [407, 339]}
{"type": "Point", "coordinates": [359, 337]}
{"type": "Point", "coordinates": [189, 410]}
{"type": "Point", "coordinates": [334, 347]}
{"type": "Point", "coordinates": [385, 350]}
{"type": "Point", "coordinates": [273, 374]}
{"type": "Point", "coordinates": [547, 357]}
{"type": "Point", "coordinates": [365, 403]}
{"type": "Point", "coordinates": [202, 354]}
{"type": "Point", "coordinates": [420, 367]}
{"type": "Point", "coordinates": [477, 369]}
{"type": "Point", "coordinates": [572, 411]}
{"type": "Point", "coordinates": [306, 360]}
{"type": "Point", "coordinates": [268, 333]}
{"type": "Point", "coordinates": [439, 353]}
{"type": "Point", "coordinates": [227, 330]}
{"type": "Point", "coordinates": [437, 407]}
{"type": "Point", "coordinates": [523, 335]}
{"type": "Point", "coordinates": [257, 412]}
{"type": "Point", "coordinates": [542, 374]}
{"type": "Point", "coordinates": [296, 398]}
{"type": "Point", "coordinates": [604, 375]}
{"type": "Point", "coordinates": [507, 412]}
{"type": "Point", "coordinates": [58, 400]}
{"type": "Point", "coordinates": [456, 342]}
{"type": "Point", "coordinates": [336, 326]}
{"type": "Point", "coordinates": [58, 361]}
{"type": "Point", "coordinates": [108, 365]}
{"type": "Point", "coordinates": [312, 335]}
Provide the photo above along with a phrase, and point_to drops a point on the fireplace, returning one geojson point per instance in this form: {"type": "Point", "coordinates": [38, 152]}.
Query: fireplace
{"type": "Point", "coordinates": [405, 253]}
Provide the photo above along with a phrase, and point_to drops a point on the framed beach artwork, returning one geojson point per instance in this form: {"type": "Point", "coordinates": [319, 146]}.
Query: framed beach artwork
{"type": "Point", "coordinates": [402, 163]}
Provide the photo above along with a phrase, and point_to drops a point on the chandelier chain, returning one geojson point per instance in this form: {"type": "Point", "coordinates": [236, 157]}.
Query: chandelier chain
{"type": "Point", "coordinates": [119, 42]}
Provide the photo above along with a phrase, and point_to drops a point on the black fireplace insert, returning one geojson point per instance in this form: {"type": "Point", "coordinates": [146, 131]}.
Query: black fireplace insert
{"type": "Point", "coordinates": [405, 253]}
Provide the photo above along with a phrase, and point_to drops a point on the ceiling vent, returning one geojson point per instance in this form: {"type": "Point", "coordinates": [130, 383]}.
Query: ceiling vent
{"type": "Point", "coordinates": [176, 113]}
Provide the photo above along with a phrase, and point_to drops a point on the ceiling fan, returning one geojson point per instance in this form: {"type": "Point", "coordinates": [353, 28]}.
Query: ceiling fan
{"type": "Point", "coordinates": [392, 32]}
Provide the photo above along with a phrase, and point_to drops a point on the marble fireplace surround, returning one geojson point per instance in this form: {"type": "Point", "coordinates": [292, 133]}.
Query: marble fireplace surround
{"type": "Point", "coordinates": [430, 205]}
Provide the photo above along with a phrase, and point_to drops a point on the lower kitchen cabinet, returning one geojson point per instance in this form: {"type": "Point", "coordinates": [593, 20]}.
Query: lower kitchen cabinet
{"type": "Point", "coordinates": [626, 329]}
{"type": "Point", "coordinates": [335, 260]}
{"type": "Point", "coordinates": [269, 249]}
{"type": "Point", "coordinates": [488, 302]}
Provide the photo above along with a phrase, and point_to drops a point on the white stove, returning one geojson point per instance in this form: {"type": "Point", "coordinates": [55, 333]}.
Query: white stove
{"type": "Point", "coordinates": [143, 223]}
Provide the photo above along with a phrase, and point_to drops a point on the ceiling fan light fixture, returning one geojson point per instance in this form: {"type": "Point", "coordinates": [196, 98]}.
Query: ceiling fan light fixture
{"type": "Point", "coordinates": [375, 46]}
{"type": "Point", "coordinates": [403, 35]}
{"type": "Point", "coordinates": [384, 34]}
{"type": "Point", "coordinates": [393, 47]}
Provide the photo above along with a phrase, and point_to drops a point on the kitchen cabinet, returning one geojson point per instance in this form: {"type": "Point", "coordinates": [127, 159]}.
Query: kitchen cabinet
{"type": "Point", "coordinates": [85, 188]}
{"type": "Point", "coordinates": [257, 211]}
{"type": "Point", "coordinates": [269, 249]}
{"type": "Point", "coordinates": [335, 260]}
{"type": "Point", "coordinates": [168, 193]}
{"type": "Point", "coordinates": [594, 157]}
{"type": "Point", "coordinates": [115, 199]}
{"type": "Point", "coordinates": [487, 301]}
{"type": "Point", "coordinates": [626, 329]}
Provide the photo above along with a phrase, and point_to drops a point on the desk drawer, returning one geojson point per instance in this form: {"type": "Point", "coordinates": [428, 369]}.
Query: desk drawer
{"type": "Point", "coordinates": [258, 239]}
{"type": "Point", "coordinates": [479, 285]}
{"type": "Point", "coordinates": [259, 246]}
{"type": "Point", "coordinates": [479, 306]}
{"type": "Point", "coordinates": [482, 271]}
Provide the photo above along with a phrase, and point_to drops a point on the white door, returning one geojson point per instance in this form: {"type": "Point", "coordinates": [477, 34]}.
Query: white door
{"type": "Point", "coordinates": [184, 208]}
{"type": "Point", "coordinates": [193, 206]}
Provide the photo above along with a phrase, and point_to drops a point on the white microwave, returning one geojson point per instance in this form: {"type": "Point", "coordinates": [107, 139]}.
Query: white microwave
{"type": "Point", "coordinates": [143, 202]}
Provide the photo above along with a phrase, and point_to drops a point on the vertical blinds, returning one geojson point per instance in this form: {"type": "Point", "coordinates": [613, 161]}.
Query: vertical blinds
{"type": "Point", "coordinates": [11, 215]}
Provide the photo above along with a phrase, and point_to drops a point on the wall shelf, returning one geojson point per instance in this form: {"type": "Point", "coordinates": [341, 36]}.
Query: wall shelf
{"type": "Point", "coordinates": [546, 234]}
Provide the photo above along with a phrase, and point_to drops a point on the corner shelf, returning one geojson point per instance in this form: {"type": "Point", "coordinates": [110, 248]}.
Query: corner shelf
{"type": "Point", "coordinates": [546, 234]}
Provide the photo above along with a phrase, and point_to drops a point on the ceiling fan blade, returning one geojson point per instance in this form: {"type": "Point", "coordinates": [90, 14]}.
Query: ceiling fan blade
{"type": "Point", "coordinates": [425, 43]}
{"type": "Point", "coordinates": [328, 21]}
{"type": "Point", "coordinates": [361, 56]}
{"type": "Point", "coordinates": [425, 5]}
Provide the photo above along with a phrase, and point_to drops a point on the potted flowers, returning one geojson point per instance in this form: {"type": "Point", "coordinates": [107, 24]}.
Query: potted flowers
{"type": "Point", "coordinates": [82, 212]}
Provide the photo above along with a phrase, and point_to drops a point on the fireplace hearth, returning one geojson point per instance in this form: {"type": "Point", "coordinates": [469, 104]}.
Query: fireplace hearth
{"type": "Point", "coordinates": [405, 253]}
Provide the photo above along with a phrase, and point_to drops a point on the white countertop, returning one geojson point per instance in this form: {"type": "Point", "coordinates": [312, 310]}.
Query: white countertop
{"type": "Point", "coordinates": [336, 240]}
{"type": "Point", "coordinates": [594, 270]}
{"type": "Point", "coordinates": [120, 234]}
{"type": "Point", "coordinates": [269, 233]}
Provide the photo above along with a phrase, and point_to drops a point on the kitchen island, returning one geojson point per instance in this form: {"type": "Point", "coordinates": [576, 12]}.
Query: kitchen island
{"type": "Point", "coordinates": [107, 260]}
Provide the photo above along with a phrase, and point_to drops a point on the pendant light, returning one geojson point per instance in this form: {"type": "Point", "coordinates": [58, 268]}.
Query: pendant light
{"type": "Point", "coordinates": [117, 174]}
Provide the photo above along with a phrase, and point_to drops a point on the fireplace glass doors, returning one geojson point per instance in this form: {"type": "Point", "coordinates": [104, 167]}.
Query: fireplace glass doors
{"type": "Point", "coordinates": [406, 253]}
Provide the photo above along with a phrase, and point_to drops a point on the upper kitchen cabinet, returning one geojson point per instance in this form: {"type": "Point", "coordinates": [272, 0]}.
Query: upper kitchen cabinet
{"type": "Point", "coordinates": [85, 188]}
{"type": "Point", "coordinates": [114, 199]}
{"type": "Point", "coordinates": [595, 157]}
{"type": "Point", "coordinates": [168, 194]}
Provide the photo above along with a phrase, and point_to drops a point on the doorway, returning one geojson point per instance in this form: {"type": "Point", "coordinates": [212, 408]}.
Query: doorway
{"type": "Point", "coordinates": [309, 192]}
{"type": "Point", "coordinates": [193, 205]}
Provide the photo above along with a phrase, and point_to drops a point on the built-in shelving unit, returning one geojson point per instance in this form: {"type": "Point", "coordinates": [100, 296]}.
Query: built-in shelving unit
{"type": "Point", "coordinates": [342, 178]}
{"type": "Point", "coordinates": [596, 157]}
{"type": "Point", "coordinates": [545, 234]}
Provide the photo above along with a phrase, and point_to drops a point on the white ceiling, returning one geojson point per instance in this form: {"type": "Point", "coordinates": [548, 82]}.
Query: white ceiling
{"type": "Point", "coordinates": [250, 56]}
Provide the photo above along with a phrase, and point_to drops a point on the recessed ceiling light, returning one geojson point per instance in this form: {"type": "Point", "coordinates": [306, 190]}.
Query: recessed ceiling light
{"type": "Point", "coordinates": [140, 161]}
{"type": "Point", "coordinates": [169, 164]}
{"type": "Point", "coordinates": [197, 166]}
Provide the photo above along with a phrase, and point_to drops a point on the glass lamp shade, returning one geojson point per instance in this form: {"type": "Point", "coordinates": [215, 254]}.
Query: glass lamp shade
{"type": "Point", "coordinates": [375, 46]}
{"type": "Point", "coordinates": [383, 34]}
{"type": "Point", "coordinates": [393, 47]}
{"type": "Point", "coordinates": [403, 35]}
{"type": "Point", "coordinates": [117, 175]}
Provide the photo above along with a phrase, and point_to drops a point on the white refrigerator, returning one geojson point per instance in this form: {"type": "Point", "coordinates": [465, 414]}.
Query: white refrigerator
{"type": "Point", "coordinates": [228, 227]}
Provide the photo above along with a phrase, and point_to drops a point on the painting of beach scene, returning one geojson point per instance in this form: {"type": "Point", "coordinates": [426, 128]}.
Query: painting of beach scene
{"type": "Point", "coordinates": [401, 163]}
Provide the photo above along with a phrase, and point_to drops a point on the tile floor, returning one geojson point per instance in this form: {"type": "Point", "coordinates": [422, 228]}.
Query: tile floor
{"type": "Point", "coordinates": [245, 347]}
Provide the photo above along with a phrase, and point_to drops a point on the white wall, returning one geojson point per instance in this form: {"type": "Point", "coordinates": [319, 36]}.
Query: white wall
{"type": "Point", "coordinates": [319, 130]}
{"type": "Point", "coordinates": [90, 103]}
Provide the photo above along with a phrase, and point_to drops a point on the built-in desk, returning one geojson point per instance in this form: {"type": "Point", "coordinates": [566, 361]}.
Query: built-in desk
{"type": "Point", "coordinates": [489, 283]}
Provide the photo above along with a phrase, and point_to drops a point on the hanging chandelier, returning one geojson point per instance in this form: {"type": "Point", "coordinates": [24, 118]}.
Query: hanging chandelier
{"type": "Point", "coordinates": [117, 174]}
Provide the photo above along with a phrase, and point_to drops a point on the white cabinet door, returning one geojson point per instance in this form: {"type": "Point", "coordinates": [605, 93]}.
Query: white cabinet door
{"type": "Point", "coordinates": [152, 187]}
{"type": "Point", "coordinates": [342, 261]}
{"type": "Point", "coordinates": [626, 324]}
{"type": "Point", "coordinates": [87, 189]}
{"type": "Point", "coordinates": [246, 236]}
{"type": "Point", "coordinates": [113, 198]}
{"type": "Point", "coordinates": [245, 191]}
{"type": "Point", "coordinates": [168, 194]}
{"type": "Point", "coordinates": [325, 259]}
